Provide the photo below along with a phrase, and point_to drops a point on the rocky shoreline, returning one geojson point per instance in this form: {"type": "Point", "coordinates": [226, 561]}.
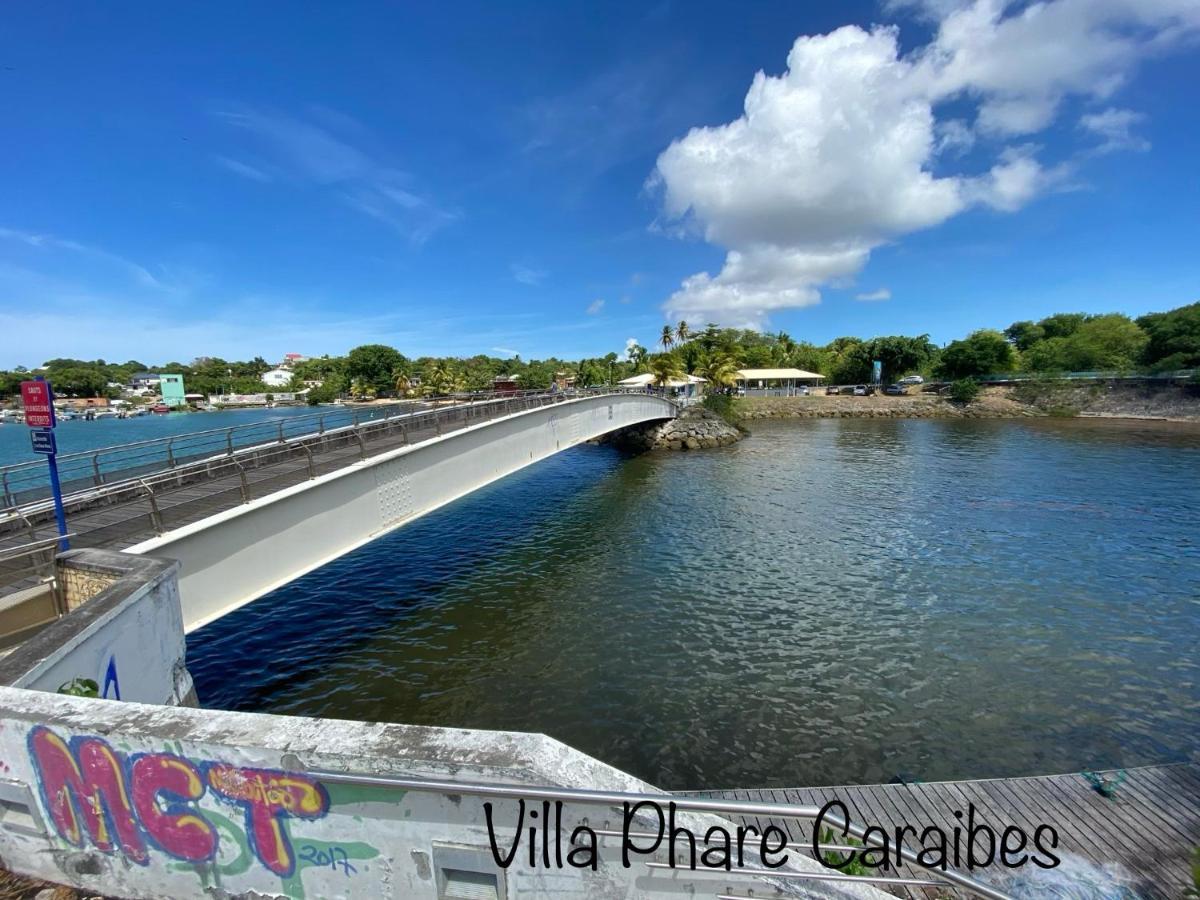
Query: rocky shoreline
{"type": "Point", "coordinates": [917, 406]}
{"type": "Point", "coordinates": [1177, 403]}
{"type": "Point", "coordinates": [696, 428]}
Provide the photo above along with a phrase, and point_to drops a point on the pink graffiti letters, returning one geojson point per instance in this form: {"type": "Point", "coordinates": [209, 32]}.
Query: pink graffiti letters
{"type": "Point", "coordinates": [86, 780]}
{"type": "Point", "coordinates": [178, 829]}
{"type": "Point", "coordinates": [139, 802]}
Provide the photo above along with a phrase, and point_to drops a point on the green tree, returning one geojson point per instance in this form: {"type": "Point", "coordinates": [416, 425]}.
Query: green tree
{"type": "Point", "coordinates": [373, 364]}
{"type": "Point", "coordinates": [637, 355]}
{"type": "Point", "coordinates": [900, 355]}
{"type": "Point", "coordinates": [1104, 342]}
{"type": "Point", "coordinates": [1024, 335]}
{"type": "Point", "coordinates": [981, 353]}
{"type": "Point", "coordinates": [1061, 324]}
{"type": "Point", "coordinates": [850, 360]}
{"type": "Point", "coordinates": [683, 333]}
{"type": "Point", "coordinates": [1173, 338]}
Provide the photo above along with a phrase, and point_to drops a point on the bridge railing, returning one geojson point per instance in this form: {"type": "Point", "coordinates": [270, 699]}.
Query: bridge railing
{"type": "Point", "coordinates": [869, 838]}
{"type": "Point", "coordinates": [140, 506]}
{"type": "Point", "coordinates": [27, 482]}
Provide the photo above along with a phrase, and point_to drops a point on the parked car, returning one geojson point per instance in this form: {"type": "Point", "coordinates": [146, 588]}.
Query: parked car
{"type": "Point", "coordinates": [912, 379]}
{"type": "Point", "coordinates": [864, 390]}
{"type": "Point", "coordinates": [802, 391]}
{"type": "Point", "coordinates": [832, 391]}
{"type": "Point", "coordinates": [896, 390]}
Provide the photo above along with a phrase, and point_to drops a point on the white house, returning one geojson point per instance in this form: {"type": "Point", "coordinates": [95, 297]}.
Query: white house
{"type": "Point", "coordinates": [277, 378]}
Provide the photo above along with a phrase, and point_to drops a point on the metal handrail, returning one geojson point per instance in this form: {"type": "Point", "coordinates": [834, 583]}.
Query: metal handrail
{"type": "Point", "coordinates": [686, 803]}
{"type": "Point", "coordinates": [25, 482]}
{"type": "Point", "coordinates": [10, 553]}
{"type": "Point", "coordinates": [99, 489]}
{"type": "Point", "coordinates": [262, 456]}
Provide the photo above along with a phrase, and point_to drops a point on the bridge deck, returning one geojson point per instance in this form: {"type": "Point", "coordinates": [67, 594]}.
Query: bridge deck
{"type": "Point", "coordinates": [118, 517]}
{"type": "Point", "coordinates": [1150, 829]}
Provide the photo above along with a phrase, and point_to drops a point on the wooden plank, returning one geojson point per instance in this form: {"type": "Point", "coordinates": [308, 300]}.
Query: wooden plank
{"type": "Point", "coordinates": [1150, 830]}
{"type": "Point", "coordinates": [1157, 807]}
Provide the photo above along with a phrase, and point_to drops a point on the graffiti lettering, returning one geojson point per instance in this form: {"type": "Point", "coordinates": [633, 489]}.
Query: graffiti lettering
{"type": "Point", "coordinates": [268, 797]}
{"type": "Point", "coordinates": [177, 829]}
{"type": "Point", "coordinates": [335, 858]}
{"type": "Point", "coordinates": [86, 780]}
{"type": "Point", "coordinates": [136, 801]}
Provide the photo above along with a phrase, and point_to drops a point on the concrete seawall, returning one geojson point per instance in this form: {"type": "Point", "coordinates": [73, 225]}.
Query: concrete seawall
{"type": "Point", "coordinates": [1172, 402]}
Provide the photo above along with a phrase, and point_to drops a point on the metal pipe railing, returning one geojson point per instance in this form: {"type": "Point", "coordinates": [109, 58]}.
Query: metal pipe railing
{"type": "Point", "coordinates": [25, 483]}
{"type": "Point", "coordinates": [413, 427]}
{"type": "Point", "coordinates": [687, 804]}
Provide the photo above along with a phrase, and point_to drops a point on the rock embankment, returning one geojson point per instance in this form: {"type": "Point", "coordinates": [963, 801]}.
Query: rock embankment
{"type": "Point", "coordinates": [993, 403]}
{"type": "Point", "coordinates": [696, 428]}
{"type": "Point", "coordinates": [1176, 402]}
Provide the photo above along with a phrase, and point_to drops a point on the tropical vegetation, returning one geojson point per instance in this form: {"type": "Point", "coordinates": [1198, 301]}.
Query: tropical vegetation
{"type": "Point", "coordinates": [1063, 342]}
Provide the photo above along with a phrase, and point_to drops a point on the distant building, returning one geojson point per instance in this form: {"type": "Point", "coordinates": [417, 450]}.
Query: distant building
{"type": "Point", "coordinates": [171, 386]}
{"type": "Point", "coordinates": [291, 359]}
{"type": "Point", "coordinates": [277, 377]}
{"type": "Point", "coordinates": [82, 402]}
{"type": "Point", "coordinates": [506, 384]}
{"type": "Point", "coordinates": [143, 380]}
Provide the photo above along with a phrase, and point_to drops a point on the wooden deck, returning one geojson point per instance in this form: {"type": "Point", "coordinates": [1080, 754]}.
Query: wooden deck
{"type": "Point", "coordinates": [1144, 836]}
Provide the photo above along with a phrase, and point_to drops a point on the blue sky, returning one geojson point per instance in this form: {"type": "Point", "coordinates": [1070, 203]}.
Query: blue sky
{"type": "Point", "coordinates": [250, 179]}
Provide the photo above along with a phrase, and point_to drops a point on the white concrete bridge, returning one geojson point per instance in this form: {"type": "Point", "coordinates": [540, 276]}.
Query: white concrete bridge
{"type": "Point", "coordinates": [248, 519]}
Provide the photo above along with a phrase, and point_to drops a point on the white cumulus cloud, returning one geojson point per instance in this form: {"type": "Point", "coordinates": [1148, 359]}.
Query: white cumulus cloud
{"type": "Point", "coordinates": [835, 156]}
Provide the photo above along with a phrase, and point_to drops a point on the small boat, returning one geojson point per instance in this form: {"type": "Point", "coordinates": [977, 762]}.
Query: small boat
{"type": "Point", "coordinates": [160, 408]}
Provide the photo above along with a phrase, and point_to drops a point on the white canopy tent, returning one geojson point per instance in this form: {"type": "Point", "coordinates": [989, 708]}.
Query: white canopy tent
{"type": "Point", "coordinates": [679, 386]}
{"type": "Point", "coordinates": [775, 382]}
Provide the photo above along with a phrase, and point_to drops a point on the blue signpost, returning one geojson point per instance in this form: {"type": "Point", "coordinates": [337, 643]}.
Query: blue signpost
{"type": "Point", "coordinates": [38, 398]}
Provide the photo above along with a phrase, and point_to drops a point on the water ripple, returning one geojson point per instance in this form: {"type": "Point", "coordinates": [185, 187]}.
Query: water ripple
{"type": "Point", "coordinates": [828, 602]}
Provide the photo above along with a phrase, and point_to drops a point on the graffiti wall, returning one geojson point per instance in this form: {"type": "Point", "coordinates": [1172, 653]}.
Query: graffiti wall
{"type": "Point", "coordinates": [131, 800]}
{"type": "Point", "coordinates": [181, 813]}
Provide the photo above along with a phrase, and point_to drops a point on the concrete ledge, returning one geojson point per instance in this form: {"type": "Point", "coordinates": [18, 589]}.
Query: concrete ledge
{"type": "Point", "coordinates": [127, 621]}
{"type": "Point", "coordinates": [202, 803]}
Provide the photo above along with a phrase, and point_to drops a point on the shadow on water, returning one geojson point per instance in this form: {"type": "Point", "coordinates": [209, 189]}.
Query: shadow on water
{"type": "Point", "coordinates": [254, 656]}
{"type": "Point", "coordinates": [827, 602]}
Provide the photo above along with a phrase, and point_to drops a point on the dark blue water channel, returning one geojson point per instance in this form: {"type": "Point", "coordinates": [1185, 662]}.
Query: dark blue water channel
{"type": "Point", "coordinates": [827, 602]}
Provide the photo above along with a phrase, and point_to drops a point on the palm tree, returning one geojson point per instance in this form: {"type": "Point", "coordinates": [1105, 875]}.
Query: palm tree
{"type": "Point", "coordinates": [666, 368]}
{"type": "Point", "coordinates": [721, 372]}
{"type": "Point", "coordinates": [668, 337]}
{"type": "Point", "coordinates": [438, 379]}
{"type": "Point", "coordinates": [360, 390]}
{"type": "Point", "coordinates": [401, 382]}
{"type": "Point", "coordinates": [682, 332]}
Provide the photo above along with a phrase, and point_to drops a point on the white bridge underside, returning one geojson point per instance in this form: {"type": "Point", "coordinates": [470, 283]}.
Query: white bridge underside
{"type": "Point", "coordinates": [238, 555]}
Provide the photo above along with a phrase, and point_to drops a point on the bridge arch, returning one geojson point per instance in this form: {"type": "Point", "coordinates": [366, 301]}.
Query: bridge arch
{"type": "Point", "coordinates": [236, 556]}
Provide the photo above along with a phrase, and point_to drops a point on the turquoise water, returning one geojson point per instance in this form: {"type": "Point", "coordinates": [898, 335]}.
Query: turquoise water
{"type": "Point", "coordinates": [827, 602]}
{"type": "Point", "coordinates": [82, 435]}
